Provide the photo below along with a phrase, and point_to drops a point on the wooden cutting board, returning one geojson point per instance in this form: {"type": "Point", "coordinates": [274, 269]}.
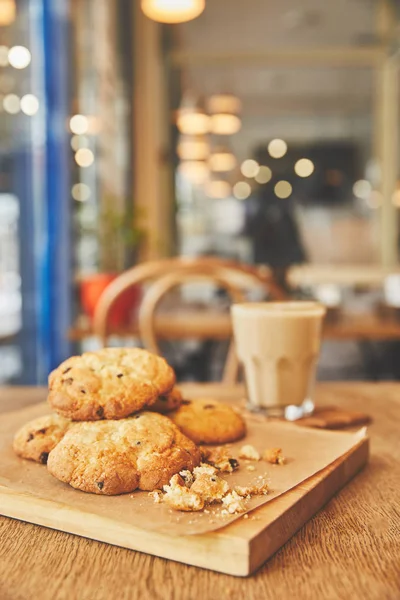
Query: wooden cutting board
{"type": "Point", "coordinates": [237, 549]}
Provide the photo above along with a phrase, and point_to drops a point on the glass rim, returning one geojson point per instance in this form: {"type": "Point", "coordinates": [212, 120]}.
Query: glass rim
{"type": "Point", "coordinates": [289, 308]}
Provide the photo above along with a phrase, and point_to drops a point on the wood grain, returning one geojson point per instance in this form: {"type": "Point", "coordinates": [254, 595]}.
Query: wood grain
{"type": "Point", "coordinates": [351, 549]}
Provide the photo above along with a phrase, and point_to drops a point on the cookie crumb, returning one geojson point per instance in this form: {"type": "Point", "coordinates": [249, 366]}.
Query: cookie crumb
{"type": "Point", "coordinates": [157, 496]}
{"type": "Point", "coordinates": [179, 497]}
{"type": "Point", "coordinates": [246, 516]}
{"type": "Point", "coordinates": [250, 468]}
{"type": "Point", "coordinates": [247, 491]}
{"type": "Point", "coordinates": [234, 503]}
{"type": "Point", "coordinates": [274, 456]}
{"type": "Point", "coordinates": [249, 452]}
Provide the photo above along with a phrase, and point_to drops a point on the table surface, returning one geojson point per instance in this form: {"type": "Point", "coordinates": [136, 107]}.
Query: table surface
{"type": "Point", "coordinates": [350, 549]}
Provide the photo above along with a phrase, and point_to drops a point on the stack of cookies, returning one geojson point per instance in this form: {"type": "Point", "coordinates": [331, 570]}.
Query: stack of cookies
{"type": "Point", "coordinates": [107, 434]}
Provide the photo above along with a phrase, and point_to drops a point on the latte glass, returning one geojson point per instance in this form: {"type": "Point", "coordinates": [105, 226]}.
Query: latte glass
{"type": "Point", "coordinates": [278, 344]}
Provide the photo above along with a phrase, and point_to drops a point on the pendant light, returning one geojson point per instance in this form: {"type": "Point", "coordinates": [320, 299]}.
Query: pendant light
{"type": "Point", "coordinates": [222, 160]}
{"type": "Point", "coordinates": [8, 12]}
{"type": "Point", "coordinates": [224, 112]}
{"type": "Point", "coordinates": [193, 147]}
{"type": "Point", "coordinates": [172, 11]}
{"type": "Point", "coordinates": [192, 118]}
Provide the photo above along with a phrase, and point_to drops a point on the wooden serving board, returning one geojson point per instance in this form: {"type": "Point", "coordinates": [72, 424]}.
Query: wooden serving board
{"type": "Point", "coordinates": [237, 549]}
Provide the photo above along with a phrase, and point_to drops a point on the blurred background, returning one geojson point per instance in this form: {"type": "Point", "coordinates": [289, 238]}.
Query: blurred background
{"type": "Point", "coordinates": [263, 132]}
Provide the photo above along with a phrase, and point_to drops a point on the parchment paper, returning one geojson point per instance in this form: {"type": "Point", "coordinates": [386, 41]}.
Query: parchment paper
{"type": "Point", "coordinates": [307, 452]}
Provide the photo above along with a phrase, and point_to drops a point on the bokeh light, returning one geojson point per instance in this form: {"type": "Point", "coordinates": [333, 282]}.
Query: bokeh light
{"type": "Point", "coordinates": [84, 157]}
{"type": "Point", "coordinates": [264, 174]}
{"type": "Point", "coordinates": [19, 57]}
{"type": "Point", "coordinates": [277, 148]}
{"type": "Point", "coordinates": [362, 189]}
{"type": "Point", "coordinates": [222, 160]}
{"type": "Point", "coordinates": [249, 167]}
{"type": "Point", "coordinates": [78, 124]}
{"type": "Point", "coordinates": [29, 104]}
{"type": "Point", "coordinates": [11, 104]}
{"type": "Point", "coordinates": [283, 189]}
{"type": "Point", "coordinates": [241, 190]}
{"type": "Point", "coordinates": [80, 192]}
{"type": "Point", "coordinates": [304, 167]}
{"type": "Point", "coordinates": [225, 124]}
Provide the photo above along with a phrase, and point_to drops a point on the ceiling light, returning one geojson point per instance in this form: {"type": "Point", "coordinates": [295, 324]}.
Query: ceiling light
{"type": "Point", "coordinates": [192, 118]}
{"type": "Point", "coordinates": [224, 109]}
{"type": "Point", "coordinates": [19, 57]}
{"type": "Point", "coordinates": [283, 189]}
{"type": "Point", "coordinates": [84, 157]}
{"type": "Point", "coordinates": [277, 148]}
{"type": "Point", "coordinates": [249, 167]}
{"type": "Point", "coordinates": [172, 11]}
{"type": "Point", "coordinates": [193, 147]}
{"type": "Point", "coordinates": [241, 190]}
{"type": "Point", "coordinates": [362, 189]}
{"type": "Point", "coordinates": [8, 12]}
{"type": "Point", "coordinates": [225, 124]}
{"type": "Point", "coordinates": [264, 174]}
{"type": "Point", "coordinates": [222, 160]}
{"type": "Point", "coordinates": [304, 167]}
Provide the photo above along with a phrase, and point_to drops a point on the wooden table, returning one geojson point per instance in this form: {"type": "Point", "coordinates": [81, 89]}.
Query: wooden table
{"type": "Point", "coordinates": [217, 326]}
{"type": "Point", "coordinates": [351, 549]}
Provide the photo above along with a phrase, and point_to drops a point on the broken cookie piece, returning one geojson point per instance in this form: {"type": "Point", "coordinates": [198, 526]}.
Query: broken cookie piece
{"type": "Point", "coordinates": [210, 488]}
{"type": "Point", "coordinates": [249, 452]}
{"type": "Point", "coordinates": [221, 458]}
{"type": "Point", "coordinates": [274, 456]}
{"type": "Point", "coordinates": [180, 497]}
{"type": "Point", "coordinates": [234, 503]}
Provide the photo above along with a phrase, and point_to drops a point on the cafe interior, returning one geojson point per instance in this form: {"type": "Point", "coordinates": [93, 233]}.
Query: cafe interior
{"type": "Point", "coordinates": [161, 160]}
{"type": "Point", "coordinates": [125, 140]}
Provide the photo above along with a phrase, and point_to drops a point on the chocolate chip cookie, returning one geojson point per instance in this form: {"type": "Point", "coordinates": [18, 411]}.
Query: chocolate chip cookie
{"type": "Point", "coordinates": [109, 384]}
{"type": "Point", "coordinates": [168, 402]}
{"type": "Point", "coordinates": [207, 421]}
{"type": "Point", "coordinates": [114, 457]}
{"type": "Point", "coordinates": [37, 438]}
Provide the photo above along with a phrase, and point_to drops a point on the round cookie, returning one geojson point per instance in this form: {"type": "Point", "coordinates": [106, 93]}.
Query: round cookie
{"type": "Point", "coordinates": [109, 384]}
{"type": "Point", "coordinates": [37, 438]}
{"type": "Point", "coordinates": [116, 457]}
{"type": "Point", "coordinates": [207, 421]}
{"type": "Point", "coordinates": [168, 402]}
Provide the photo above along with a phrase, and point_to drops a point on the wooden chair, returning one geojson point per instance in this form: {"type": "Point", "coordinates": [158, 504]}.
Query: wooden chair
{"type": "Point", "coordinates": [164, 275]}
